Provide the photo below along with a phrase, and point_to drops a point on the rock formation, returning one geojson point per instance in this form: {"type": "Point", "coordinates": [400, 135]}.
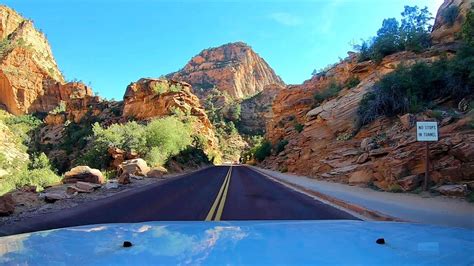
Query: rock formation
{"type": "Point", "coordinates": [233, 68]}
{"type": "Point", "coordinates": [384, 153]}
{"type": "Point", "coordinates": [30, 80]}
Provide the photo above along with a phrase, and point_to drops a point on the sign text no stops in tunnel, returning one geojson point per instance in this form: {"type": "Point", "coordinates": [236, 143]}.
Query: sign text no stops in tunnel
{"type": "Point", "coordinates": [427, 131]}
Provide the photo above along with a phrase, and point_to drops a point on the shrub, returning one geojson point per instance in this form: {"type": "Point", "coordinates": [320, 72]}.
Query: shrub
{"type": "Point", "coordinates": [299, 127]}
{"type": "Point", "coordinates": [61, 108]}
{"type": "Point", "coordinates": [344, 136]}
{"type": "Point", "coordinates": [329, 92]}
{"type": "Point", "coordinates": [467, 30]}
{"type": "Point", "coordinates": [450, 14]}
{"type": "Point", "coordinates": [159, 87]}
{"type": "Point", "coordinates": [157, 141]}
{"type": "Point", "coordinates": [176, 88]}
{"type": "Point", "coordinates": [280, 146]}
{"type": "Point", "coordinates": [263, 150]}
{"type": "Point", "coordinates": [411, 89]}
{"type": "Point", "coordinates": [352, 82]}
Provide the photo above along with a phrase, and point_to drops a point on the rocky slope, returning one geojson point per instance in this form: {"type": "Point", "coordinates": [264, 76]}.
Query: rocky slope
{"type": "Point", "coordinates": [384, 153]}
{"type": "Point", "coordinates": [233, 68]}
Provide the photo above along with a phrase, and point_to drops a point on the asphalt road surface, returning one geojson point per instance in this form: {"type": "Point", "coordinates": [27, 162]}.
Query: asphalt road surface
{"type": "Point", "coordinates": [212, 194]}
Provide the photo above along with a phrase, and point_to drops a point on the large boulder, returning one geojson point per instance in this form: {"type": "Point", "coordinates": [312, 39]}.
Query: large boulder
{"type": "Point", "coordinates": [135, 167]}
{"type": "Point", "coordinates": [444, 30]}
{"type": "Point", "coordinates": [7, 205]}
{"type": "Point", "coordinates": [85, 174]}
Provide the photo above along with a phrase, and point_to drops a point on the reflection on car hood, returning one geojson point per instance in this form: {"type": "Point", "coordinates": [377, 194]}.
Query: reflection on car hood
{"type": "Point", "coordinates": [257, 242]}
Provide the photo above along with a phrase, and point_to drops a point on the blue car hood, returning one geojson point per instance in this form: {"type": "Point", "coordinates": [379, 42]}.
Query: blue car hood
{"type": "Point", "coordinates": [257, 242]}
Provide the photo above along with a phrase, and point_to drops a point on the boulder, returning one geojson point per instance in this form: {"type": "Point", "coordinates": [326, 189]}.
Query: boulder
{"type": "Point", "coordinates": [157, 172]}
{"type": "Point", "coordinates": [135, 167]}
{"type": "Point", "coordinates": [124, 179]}
{"type": "Point", "coordinates": [453, 190]}
{"type": "Point", "coordinates": [83, 173]}
{"type": "Point", "coordinates": [410, 182]}
{"type": "Point", "coordinates": [7, 205]}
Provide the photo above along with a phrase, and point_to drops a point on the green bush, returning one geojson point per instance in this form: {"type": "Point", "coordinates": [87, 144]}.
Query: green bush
{"type": "Point", "coordinates": [263, 150]}
{"type": "Point", "coordinates": [329, 92]}
{"type": "Point", "coordinates": [159, 87]}
{"type": "Point", "coordinates": [467, 31]}
{"type": "Point", "coordinates": [61, 108]}
{"type": "Point", "coordinates": [411, 89]}
{"type": "Point", "coordinates": [299, 127]}
{"type": "Point", "coordinates": [352, 82]}
{"type": "Point", "coordinates": [450, 14]}
{"type": "Point", "coordinates": [157, 141]}
{"type": "Point", "coordinates": [280, 146]}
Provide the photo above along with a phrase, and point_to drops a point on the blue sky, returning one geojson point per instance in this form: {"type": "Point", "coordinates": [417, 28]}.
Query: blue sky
{"type": "Point", "coordinates": [113, 43]}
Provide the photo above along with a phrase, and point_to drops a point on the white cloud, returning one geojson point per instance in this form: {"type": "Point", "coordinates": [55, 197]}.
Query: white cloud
{"type": "Point", "coordinates": [286, 19]}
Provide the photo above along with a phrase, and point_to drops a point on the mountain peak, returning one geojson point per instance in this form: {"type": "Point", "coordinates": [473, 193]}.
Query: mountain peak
{"type": "Point", "coordinates": [233, 68]}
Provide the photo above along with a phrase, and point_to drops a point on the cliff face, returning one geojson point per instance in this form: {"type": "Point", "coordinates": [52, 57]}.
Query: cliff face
{"type": "Point", "coordinates": [149, 98]}
{"type": "Point", "coordinates": [384, 153]}
{"type": "Point", "coordinates": [233, 68]}
{"type": "Point", "coordinates": [445, 31]}
{"type": "Point", "coordinates": [28, 70]}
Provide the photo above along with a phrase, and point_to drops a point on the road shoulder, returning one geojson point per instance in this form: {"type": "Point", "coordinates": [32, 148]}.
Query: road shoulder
{"type": "Point", "coordinates": [384, 206]}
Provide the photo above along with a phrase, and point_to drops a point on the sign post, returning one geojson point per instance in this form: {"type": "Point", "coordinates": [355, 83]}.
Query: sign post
{"type": "Point", "coordinates": [426, 132]}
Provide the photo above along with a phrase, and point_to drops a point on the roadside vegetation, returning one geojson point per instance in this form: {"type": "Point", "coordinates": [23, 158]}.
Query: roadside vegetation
{"type": "Point", "coordinates": [414, 88]}
{"type": "Point", "coordinates": [17, 168]}
{"type": "Point", "coordinates": [156, 141]}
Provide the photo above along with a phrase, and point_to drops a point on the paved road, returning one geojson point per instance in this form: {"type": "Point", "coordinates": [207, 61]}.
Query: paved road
{"type": "Point", "coordinates": [212, 194]}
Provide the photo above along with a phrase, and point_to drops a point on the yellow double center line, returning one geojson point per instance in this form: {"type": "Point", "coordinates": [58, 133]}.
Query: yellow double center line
{"type": "Point", "coordinates": [220, 200]}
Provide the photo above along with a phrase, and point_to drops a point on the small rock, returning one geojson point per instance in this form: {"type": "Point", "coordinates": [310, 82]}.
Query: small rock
{"type": "Point", "coordinates": [87, 186]}
{"type": "Point", "coordinates": [137, 177]}
{"type": "Point", "coordinates": [156, 172]}
{"type": "Point", "coordinates": [53, 197]}
{"type": "Point", "coordinates": [111, 185]}
{"type": "Point", "coordinates": [453, 190]}
{"type": "Point", "coordinates": [124, 179]}
{"type": "Point", "coordinates": [364, 144]}
{"type": "Point", "coordinates": [361, 177]}
{"type": "Point", "coordinates": [7, 205]}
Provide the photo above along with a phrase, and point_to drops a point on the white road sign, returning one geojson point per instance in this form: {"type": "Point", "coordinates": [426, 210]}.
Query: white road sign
{"type": "Point", "coordinates": [427, 131]}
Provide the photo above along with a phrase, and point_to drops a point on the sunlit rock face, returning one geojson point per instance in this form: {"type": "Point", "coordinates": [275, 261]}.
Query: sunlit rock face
{"type": "Point", "coordinates": [28, 70]}
{"type": "Point", "coordinates": [233, 68]}
{"type": "Point", "coordinates": [444, 31]}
